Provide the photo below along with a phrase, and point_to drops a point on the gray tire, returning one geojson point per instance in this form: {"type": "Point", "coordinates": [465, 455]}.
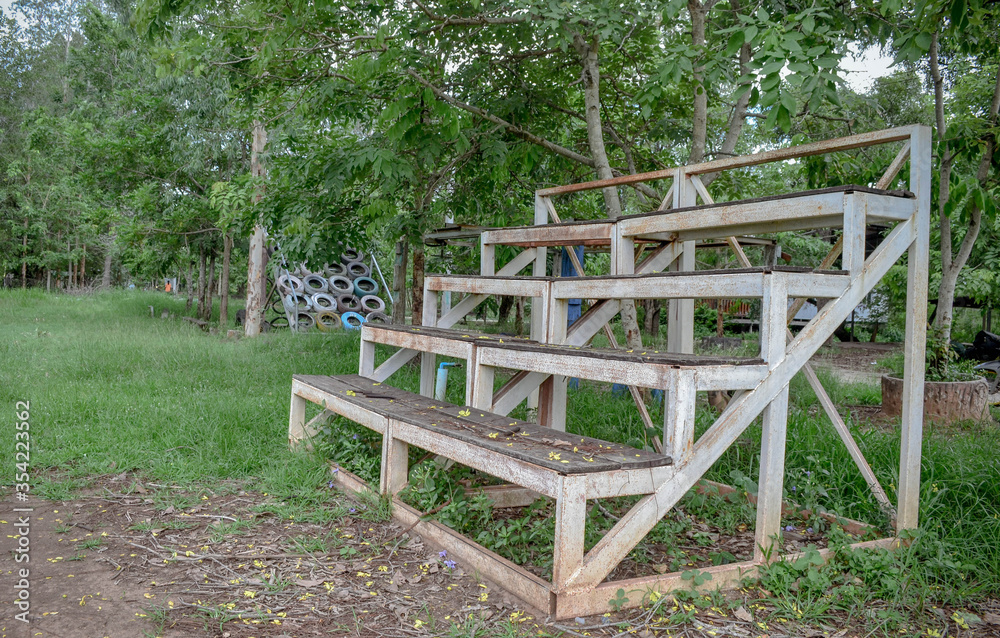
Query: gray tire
{"type": "Point", "coordinates": [322, 301]}
{"type": "Point", "coordinates": [290, 283]}
{"type": "Point", "coordinates": [341, 285]}
{"type": "Point", "coordinates": [315, 284]}
{"type": "Point", "coordinates": [372, 303]}
{"type": "Point", "coordinates": [379, 318]}
{"type": "Point", "coordinates": [357, 269]}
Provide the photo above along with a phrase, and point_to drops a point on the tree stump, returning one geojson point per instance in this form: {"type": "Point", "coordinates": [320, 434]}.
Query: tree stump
{"type": "Point", "coordinates": [944, 402]}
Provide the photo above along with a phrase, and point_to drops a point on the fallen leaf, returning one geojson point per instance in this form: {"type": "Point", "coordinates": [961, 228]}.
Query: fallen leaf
{"type": "Point", "coordinates": [743, 614]}
{"type": "Point", "coordinates": [308, 583]}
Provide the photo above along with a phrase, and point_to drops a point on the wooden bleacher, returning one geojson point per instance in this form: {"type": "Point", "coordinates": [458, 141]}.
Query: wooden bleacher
{"type": "Point", "coordinates": [542, 459]}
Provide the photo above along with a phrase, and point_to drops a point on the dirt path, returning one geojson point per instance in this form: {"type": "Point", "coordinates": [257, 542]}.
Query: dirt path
{"type": "Point", "coordinates": [123, 562]}
{"type": "Point", "coordinates": [855, 362]}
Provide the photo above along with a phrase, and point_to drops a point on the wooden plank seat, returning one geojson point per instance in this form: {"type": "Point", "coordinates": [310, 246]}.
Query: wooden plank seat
{"type": "Point", "coordinates": [701, 284]}
{"type": "Point", "coordinates": [497, 435]}
{"type": "Point", "coordinates": [822, 208]}
{"type": "Point", "coordinates": [569, 233]}
{"type": "Point", "coordinates": [645, 369]}
{"type": "Point", "coordinates": [648, 368]}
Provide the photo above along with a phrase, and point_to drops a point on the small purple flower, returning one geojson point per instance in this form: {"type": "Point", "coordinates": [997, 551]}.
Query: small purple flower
{"type": "Point", "coordinates": [808, 473]}
{"type": "Point", "coordinates": [793, 488]}
{"type": "Point", "coordinates": [355, 437]}
{"type": "Point", "coordinates": [450, 564]}
{"type": "Point", "coordinates": [443, 553]}
{"type": "Point", "coordinates": [330, 485]}
{"type": "Point", "coordinates": [809, 530]}
{"type": "Point", "coordinates": [789, 528]}
{"type": "Point", "coordinates": [336, 469]}
{"type": "Point", "coordinates": [353, 510]}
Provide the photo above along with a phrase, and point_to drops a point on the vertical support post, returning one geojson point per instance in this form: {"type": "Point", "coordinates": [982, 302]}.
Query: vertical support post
{"type": "Point", "coordinates": [774, 307]}
{"type": "Point", "coordinates": [395, 458]}
{"type": "Point", "coordinates": [773, 310]}
{"type": "Point", "coordinates": [854, 233]}
{"type": "Point", "coordinates": [767, 539]}
{"type": "Point", "coordinates": [482, 385]}
{"type": "Point", "coordinates": [571, 516]}
{"type": "Point", "coordinates": [472, 354]}
{"type": "Point", "coordinates": [678, 415]}
{"type": "Point", "coordinates": [488, 258]}
{"type": "Point", "coordinates": [297, 422]}
{"type": "Point", "coordinates": [622, 253]}
{"type": "Point", "coordinates": [366, 365]}
{"type": "Point", "coordinates": [552, 400]}
{"type": "Point", "coordinates": [680, 322]}
{"type": "Point", "coordinates": [916, 333]}
{"type": "Point", "coordinates": [428, 360]}
{"type": "Point", "coordinates": [538, 270]}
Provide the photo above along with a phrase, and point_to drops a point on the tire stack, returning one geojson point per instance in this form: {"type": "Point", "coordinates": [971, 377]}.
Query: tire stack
{"type": "Point", "coordinates": [342, 295]}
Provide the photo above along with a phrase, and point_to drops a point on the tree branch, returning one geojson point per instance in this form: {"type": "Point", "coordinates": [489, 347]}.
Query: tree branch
{"type": "Point", "coordinates": [513, 129]}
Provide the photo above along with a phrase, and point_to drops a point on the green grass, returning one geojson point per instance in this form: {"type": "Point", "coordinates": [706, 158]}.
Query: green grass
{"type": "Point", "coordinates": [113, 390]}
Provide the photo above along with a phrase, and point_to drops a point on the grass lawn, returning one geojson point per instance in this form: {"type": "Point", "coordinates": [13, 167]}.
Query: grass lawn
{"type": "Point", "coordinates": [113, 390]}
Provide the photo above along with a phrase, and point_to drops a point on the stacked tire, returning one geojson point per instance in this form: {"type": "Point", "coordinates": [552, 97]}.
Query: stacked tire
{"type": "Point", "coordinates": [341, 295]}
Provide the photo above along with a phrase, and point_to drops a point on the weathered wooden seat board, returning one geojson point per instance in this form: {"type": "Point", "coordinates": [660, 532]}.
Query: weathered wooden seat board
{"type": "Point", "coordinates": [556, 451]}
{"type": "Point", "coordinates": [573, 470]}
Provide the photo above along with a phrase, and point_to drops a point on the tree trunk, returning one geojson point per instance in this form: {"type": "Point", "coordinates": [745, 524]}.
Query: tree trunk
{"type": "Point", "coordinates": [201, 282]}
{"type": "Point", "coordinates": [399, 282]}
{"type": "Point", "coordinates": [418, 286]}
{"type": "Point", "coordinates": [72, 264]}
{"type": "Point", "coordinates": [257, 265]}
{"type": "Point", "coordinates": [24, 256]}
{"type": "Point", "coordinates": [83, 266]}
{"type": "Point", "coordinates": [519, 316]}
{"type": "Point", "coordinates": [106, 276]}
{"type": "Point", "coordinates": [739, 114]}
{"type": "Point", "coordinates": [227, 250]}
{"type": "Point", "coordinates": [506, 305]}
{"type": "Point", "coordinates": [209, 295]}
{"type": "Point", "coordinates": [591, 76]}
{"type": "Point", "coordinates": [951, 266]}
{"type": "Point", "coordinates": [699, 119]}
{"type": "Point", "coordinates": [651, 323]}
{"type": "Point", "coordinates": [189, 285]}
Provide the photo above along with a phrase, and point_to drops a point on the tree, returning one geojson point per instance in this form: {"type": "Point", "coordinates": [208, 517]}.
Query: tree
{"type": "Point", "coordinates": [964, 36]}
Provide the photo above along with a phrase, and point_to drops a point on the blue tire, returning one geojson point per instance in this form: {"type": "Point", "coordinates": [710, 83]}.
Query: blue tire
{"type": "Point", "coordinates": [352, 320]}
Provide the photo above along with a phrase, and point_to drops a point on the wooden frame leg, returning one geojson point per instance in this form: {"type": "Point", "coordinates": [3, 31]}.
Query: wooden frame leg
{"type": "Point", "coordinates": [482, 386]}
{"type": "Point", "coordinates": [571, 517]}
{"type": "Point", "coordinates": [297, 435]}
{"type": "Point", "coordinates": [395, 463]}
{"type": "Point", "coordinates": [678, 416]}
{"type": "Point", "coordinates": [428, 360]}
{"type": "Point", "coordinates": [916, 335]}
{"type": "Point", "coordinates": [680, 324]}
{"type": "Point", "coordinates": [767, 540]}
{"type": "Point", "coordinates": [366, 366]}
